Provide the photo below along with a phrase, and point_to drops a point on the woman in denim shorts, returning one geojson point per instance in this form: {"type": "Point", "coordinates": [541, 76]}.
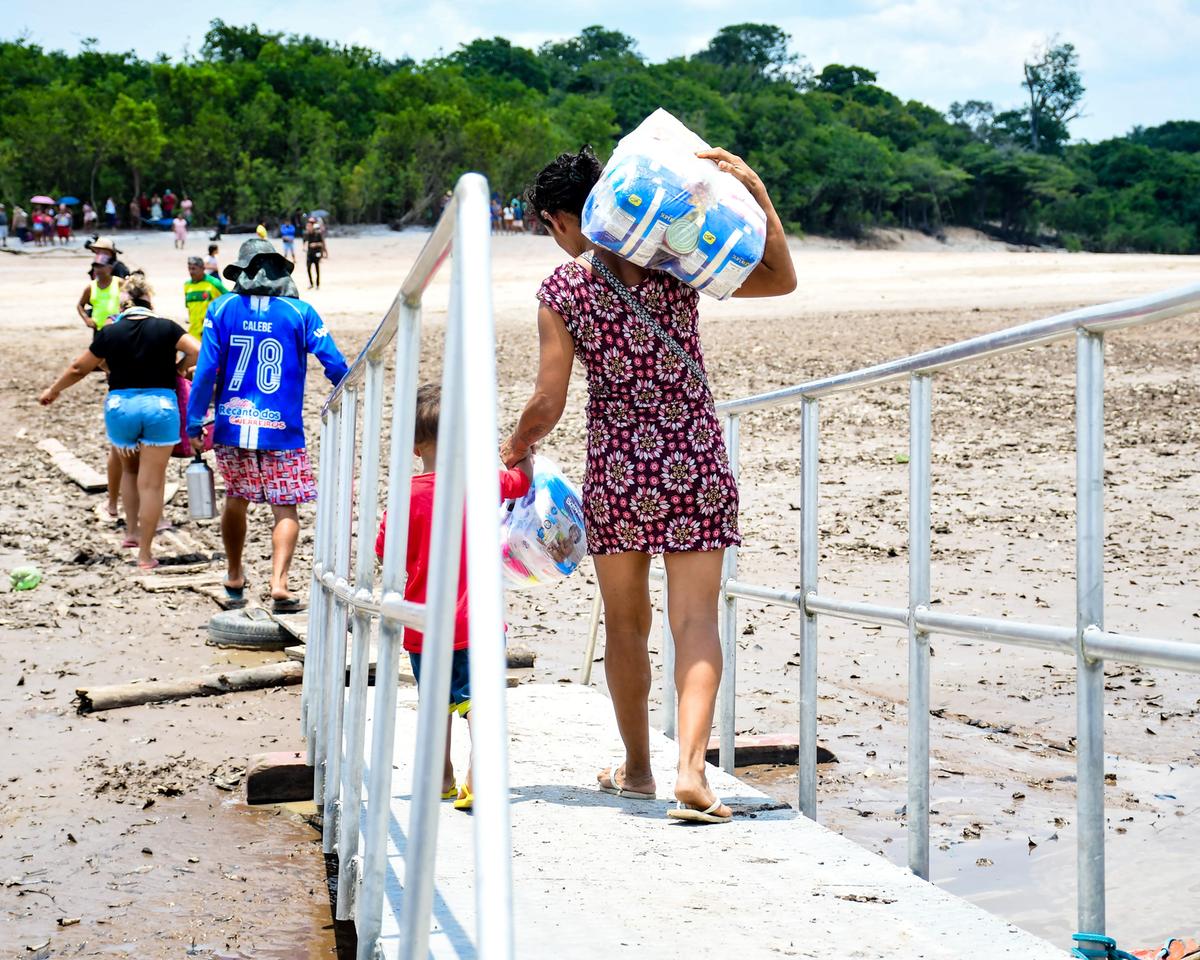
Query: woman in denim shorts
{"type": "Point", "coordinates": [141, 413]}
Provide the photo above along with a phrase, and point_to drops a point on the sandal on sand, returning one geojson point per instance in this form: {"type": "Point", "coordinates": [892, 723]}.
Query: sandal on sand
{"type": "Point", "coordinates": [130, 543]}
{"type": "Point", "coordinates": [235, 597]}
{"type": "Point", "coordinates": [692, 814]}
{"type": "Point", "coordinates": [148, 566]}
{"type": "Point", "coordinates": [466, 799]}
{"type": "Point", "coordinates": [619, 791]}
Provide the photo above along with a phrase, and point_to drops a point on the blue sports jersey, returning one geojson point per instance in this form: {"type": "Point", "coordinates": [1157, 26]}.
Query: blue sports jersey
{"type": "Point", "coordinates": [255, 351]}
{"type": "Point", "coordinates": [287, 231]}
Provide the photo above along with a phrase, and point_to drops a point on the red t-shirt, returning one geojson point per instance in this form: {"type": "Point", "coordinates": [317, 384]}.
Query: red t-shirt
{"type": "Point", "coordinates": [513, 484]}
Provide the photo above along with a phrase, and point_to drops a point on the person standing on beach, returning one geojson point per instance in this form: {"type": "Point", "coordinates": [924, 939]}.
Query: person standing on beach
{"type": "Point", "coordinates": [101, 299]}
{"type": "Point", "coordinates": [254, 353]}
{"type": "Point", "coordinates": [3, 226]}
{"type": "Point", "coordinates": [287, 234]}
{"type": "Point", "coordinates": [315, 250]}
{"type": "Point", "coordinates": [20, 222]}
{"type": "Point", "coordinates": [110, 214]}
{"type": "Point", "coordinates": [199, 290]}
{"type": "Point", "coordinates": [658, 478]}
{"type": "Point", "coordinates": [179, 227]}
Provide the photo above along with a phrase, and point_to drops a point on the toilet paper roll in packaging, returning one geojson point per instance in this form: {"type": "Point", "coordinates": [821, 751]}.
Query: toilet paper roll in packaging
{"type": "Point", "coordinates": [542, 535]}
{"type": "Point", "coordinates": [660, 206]}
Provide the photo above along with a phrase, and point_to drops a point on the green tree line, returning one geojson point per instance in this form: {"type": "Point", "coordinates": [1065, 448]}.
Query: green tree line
{"type": "Point", "coordinates": [260, 123]}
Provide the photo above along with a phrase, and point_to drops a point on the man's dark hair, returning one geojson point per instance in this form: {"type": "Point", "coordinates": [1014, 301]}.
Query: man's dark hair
{"type": "Point", "coordinates": [564, 183]}
{"type": "Point", "coordinates": [429, 411]}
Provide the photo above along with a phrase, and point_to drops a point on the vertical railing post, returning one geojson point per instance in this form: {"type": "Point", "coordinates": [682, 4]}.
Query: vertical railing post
{"type": "Point", "coordinates": [589, 653]}
{"type": "Point", "coordinates": [1089, 586]}
{"type": "Point", "coordinates": [437, 643]}
{"type": "Point", "coordinates": [318, 630]}
{"type": "Point", "coordinates": [335, 623]}
{"type": "Point", "coordinates": [471, 274]}
{"type": "Point", "coordinates": [669, 695]}
{"type": "Point", "coordinates": [369, 914]}
{"type": "Point", "coordinates": [313, 688]}
{"type": "Point", "coordinates": [349, 860]}
{"type": "Point", "coordinates": [809, 546]}
{"type": "Point", "coordinates": [727, 694]}
{"type": "Point", "coordinates": [919, 481]}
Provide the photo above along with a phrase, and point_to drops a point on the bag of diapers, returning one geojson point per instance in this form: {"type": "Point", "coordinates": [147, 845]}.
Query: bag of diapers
{"type": "Point", "coordinates": [541, 534]}
{"type": "Point", "coordinates": [661, 207]}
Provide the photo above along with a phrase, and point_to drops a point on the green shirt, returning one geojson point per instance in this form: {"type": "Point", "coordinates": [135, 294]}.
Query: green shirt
{"type": "Point", "coordinates": [197, 297]}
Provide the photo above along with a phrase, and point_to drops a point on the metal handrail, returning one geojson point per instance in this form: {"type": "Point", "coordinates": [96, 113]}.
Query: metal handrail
{"type": "Point", "coordinates": [334, 713]}
{"type": "Point", "coordinates": [1087, 639]}
{"type": "Point", "coordinates": [1099, 319]}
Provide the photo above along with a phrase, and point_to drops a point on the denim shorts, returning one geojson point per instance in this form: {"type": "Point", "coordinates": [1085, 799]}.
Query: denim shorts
{"type": "Point", "coordinates": [142, 416]}
{"type": "Point", "coordinates": [460, 680]}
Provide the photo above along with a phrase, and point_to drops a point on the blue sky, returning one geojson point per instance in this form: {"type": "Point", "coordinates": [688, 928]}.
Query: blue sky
{"type": "Point", "coordinates": [1139, 59]}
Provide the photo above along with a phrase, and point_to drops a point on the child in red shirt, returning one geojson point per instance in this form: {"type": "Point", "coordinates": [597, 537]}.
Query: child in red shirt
{"type": "Point", "coordinates": [513, 483]}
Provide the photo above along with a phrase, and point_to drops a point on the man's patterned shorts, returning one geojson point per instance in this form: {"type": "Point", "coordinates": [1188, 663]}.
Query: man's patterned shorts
{"type": "Point", "coordinates": [279, 477]}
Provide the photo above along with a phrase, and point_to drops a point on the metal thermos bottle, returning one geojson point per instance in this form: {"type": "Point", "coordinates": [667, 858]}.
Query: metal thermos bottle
{"type": "Point", "coordinates": [201, 490]}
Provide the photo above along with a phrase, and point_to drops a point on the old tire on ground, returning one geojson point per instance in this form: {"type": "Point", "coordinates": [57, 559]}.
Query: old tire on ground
{"type": "Point", "coordinates": [248, 630]}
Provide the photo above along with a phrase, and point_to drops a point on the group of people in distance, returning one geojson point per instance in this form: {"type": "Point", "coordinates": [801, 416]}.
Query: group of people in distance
{"type": "Point", "coordinates": [657, 478]}
{"type": "Point", "coordinates": [509, 217]}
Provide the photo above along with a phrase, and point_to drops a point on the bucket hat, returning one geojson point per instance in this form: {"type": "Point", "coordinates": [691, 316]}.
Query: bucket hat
{"type": "Point", "coordinates": [257, 249]}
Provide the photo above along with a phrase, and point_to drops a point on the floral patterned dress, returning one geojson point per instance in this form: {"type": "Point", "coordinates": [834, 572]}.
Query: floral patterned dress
{"type": "Point", "coordinates": [658, 477]}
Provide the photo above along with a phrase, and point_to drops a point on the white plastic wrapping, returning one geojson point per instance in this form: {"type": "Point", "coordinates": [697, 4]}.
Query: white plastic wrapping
{"type": "Point", "coordinates": [542, 535]}
{"type": "Point", "coordinates": [660, 206]}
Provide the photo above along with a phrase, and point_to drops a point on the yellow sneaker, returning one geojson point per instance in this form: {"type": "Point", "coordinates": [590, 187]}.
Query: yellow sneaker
{"type": "Point", "coordinates": [466, 799]}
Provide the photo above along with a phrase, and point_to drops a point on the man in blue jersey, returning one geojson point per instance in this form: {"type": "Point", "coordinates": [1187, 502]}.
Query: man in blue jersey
{"type": "Point", "coordinates": [254, 353]}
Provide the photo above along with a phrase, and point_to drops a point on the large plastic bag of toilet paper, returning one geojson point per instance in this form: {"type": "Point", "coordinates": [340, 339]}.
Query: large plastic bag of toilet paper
{"type": "Point", "coordinates": [660, 206]}
{"type": "Point", "coordinates": [542, 535]}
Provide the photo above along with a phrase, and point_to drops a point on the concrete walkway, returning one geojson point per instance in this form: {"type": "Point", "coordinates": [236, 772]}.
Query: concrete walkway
{"type": "Point", "coordinates": [599, 877]}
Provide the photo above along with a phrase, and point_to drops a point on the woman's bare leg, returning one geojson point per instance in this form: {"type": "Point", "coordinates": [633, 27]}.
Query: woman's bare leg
{"type": "Point", "coordinates": [129, 492]}
{"type": "Point", "coordinates": [151, 478]}
{"type": "Point", "coordinates": [114, 480]}
{"type": "Point", "coordinates": [625, 586]}
{"type": "Point", "coordinates": [694, 580]}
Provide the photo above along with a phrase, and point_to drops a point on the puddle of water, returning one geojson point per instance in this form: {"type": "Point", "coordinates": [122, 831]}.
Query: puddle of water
{"type": "Point", "coordinates": [201, 876]}
{"type": "Point", "coordinates": [1153, 834]}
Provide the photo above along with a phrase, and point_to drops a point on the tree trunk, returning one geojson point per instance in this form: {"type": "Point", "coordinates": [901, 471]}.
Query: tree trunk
{"type": "Point", "coordinates": [279, 674]}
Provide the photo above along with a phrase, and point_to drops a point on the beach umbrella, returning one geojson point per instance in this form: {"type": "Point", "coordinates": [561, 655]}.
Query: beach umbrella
{"type": "Point", "coordinates": [318, 213]}
{"type": "Point", "coordinates": [69, 201]}
{"type": "Point", "coordinates": [41, 198]}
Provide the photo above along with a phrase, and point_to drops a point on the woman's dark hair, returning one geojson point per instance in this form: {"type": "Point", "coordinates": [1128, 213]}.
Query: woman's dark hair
{"type": "Point", "coordinates": [564, 183]}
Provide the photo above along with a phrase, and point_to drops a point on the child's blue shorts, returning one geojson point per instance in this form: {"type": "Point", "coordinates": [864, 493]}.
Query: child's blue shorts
{"type": "Point", "coordinates": [142, 416]}
{"type": "Point", "coordinates": [460, 680]}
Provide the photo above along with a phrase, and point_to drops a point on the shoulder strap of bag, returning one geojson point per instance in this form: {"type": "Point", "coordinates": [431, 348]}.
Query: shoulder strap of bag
{"type": "Point", "coordinates": [640, 311]}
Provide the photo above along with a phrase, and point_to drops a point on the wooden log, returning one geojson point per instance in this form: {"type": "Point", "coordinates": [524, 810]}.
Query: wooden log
{"type": "Point", "coordinates": [284, 673]}
{"type": "Point", "coordinates": [86, 476]}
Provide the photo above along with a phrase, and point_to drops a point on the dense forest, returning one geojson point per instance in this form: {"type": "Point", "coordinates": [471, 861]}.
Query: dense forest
{"type": "Point", "coordinates": [259, 123]}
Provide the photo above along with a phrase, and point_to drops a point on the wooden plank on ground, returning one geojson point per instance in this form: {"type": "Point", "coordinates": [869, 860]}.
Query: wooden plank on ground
{"type": "Point", "coordinates": [156, 584]}
{"type": "Point", "coordinates": [89, 479]}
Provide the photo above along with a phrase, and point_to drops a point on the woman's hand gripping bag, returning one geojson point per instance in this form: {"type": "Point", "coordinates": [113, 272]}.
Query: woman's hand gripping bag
{"type": "Point", "coordinates": [542, 534]}
{"type": "Point", "coordinates": [660, 206]}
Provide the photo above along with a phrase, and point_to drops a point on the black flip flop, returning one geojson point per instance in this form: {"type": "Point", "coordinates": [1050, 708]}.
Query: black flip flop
{"type": "Point", "coordinates": [290, 605]}
{"type": "Point", "coordinates": [235, 597]}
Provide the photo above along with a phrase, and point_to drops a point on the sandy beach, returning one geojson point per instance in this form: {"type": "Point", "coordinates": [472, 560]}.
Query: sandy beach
{"type": "Point", "coordinates": [132, 822]}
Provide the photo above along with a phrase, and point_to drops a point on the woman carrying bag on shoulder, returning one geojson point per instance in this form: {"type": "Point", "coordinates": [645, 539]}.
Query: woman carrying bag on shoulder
{"type": "Point", "coordinates": [658, 479]}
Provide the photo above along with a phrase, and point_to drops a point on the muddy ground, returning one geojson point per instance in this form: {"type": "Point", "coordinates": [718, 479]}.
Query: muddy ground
{"type": "Point", "coordinates": [133, 824]}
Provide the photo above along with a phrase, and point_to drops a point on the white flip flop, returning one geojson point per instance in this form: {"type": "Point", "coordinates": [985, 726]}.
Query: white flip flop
{"type": "Point", "coordinates": [691, 814]}
{"type": "Point", "coordinates": [618, 791]}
